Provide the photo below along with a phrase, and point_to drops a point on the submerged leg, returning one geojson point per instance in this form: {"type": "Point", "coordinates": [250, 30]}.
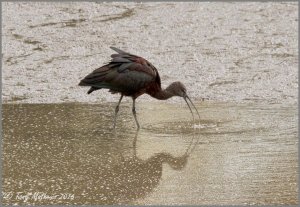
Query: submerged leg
{"type": "Point", "coordinates": [117, 110]}
{"type": "Point", "coordinates": [134, 114]}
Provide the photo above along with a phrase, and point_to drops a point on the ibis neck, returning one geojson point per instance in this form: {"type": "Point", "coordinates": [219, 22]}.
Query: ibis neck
{"type": "Point", "coordinates": [162, 94]}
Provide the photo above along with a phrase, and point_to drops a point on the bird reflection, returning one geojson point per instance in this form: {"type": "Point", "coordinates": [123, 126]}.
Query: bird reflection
{"type": "Point", "coordinates": [131, 178]}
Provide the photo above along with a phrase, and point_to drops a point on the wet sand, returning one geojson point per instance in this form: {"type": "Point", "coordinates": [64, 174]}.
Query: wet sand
{"type": "Point", "coordinates": [240, 154]}
{"type": "Point", "coordinates": [234, 52]}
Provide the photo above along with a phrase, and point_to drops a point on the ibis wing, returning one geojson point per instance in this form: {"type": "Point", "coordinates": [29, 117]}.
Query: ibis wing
{"type": "Point", "coordinates": [118, 50]}
{"type": "Point", "coordinates": [125, 81]}
{"type": "Point", "coordinates": [126, 61]}
{"type": "Point", "coordinates": [124, 73]}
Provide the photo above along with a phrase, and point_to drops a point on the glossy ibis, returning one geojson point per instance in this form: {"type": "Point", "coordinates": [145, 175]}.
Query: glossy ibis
{"type": "Point", "coordinates": [131, 75]}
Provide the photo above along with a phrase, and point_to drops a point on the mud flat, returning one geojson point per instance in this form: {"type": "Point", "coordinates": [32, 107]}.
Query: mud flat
{"type": "Point", "coordinates": [236, 52]}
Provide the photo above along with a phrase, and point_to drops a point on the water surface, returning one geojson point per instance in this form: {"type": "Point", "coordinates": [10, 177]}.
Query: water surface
{"type": "Point", "coordinates": [238, 154]}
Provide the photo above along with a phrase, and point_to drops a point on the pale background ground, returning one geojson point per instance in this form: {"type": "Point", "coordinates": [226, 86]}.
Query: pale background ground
{"type": "Point", "coordinates": [233, 52]}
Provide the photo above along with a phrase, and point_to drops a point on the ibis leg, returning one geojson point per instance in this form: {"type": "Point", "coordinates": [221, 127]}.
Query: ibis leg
{"type": "Point", "coordinates": [134, 114]}
{"type": "Point", "coordinates": [117, 110]}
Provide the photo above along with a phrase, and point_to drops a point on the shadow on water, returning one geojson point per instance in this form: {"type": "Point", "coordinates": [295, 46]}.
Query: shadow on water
{"type": "Point", "coordinates": [70, 149]}
{"type": "Point", "coordinates": [240, 154]}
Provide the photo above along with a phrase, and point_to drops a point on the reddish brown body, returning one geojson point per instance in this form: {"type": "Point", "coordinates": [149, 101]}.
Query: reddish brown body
{"type": "Point", "coordinates": [131, 75]}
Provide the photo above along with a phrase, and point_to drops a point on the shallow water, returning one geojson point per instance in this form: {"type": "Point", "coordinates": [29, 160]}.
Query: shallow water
{"type": "Point", "coordinates": [238, 154]}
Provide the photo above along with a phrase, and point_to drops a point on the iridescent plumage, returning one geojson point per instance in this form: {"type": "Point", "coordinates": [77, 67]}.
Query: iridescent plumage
{"type": "Point", "coordinates": [131, 75]}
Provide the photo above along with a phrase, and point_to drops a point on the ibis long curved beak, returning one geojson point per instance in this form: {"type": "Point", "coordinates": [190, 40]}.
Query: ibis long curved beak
{"type": "Point", "coordinates": [185, 97]}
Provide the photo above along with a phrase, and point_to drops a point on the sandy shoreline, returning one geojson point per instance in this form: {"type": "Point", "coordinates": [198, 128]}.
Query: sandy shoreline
{"type": "Point", "coordinates": [232, 52]}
